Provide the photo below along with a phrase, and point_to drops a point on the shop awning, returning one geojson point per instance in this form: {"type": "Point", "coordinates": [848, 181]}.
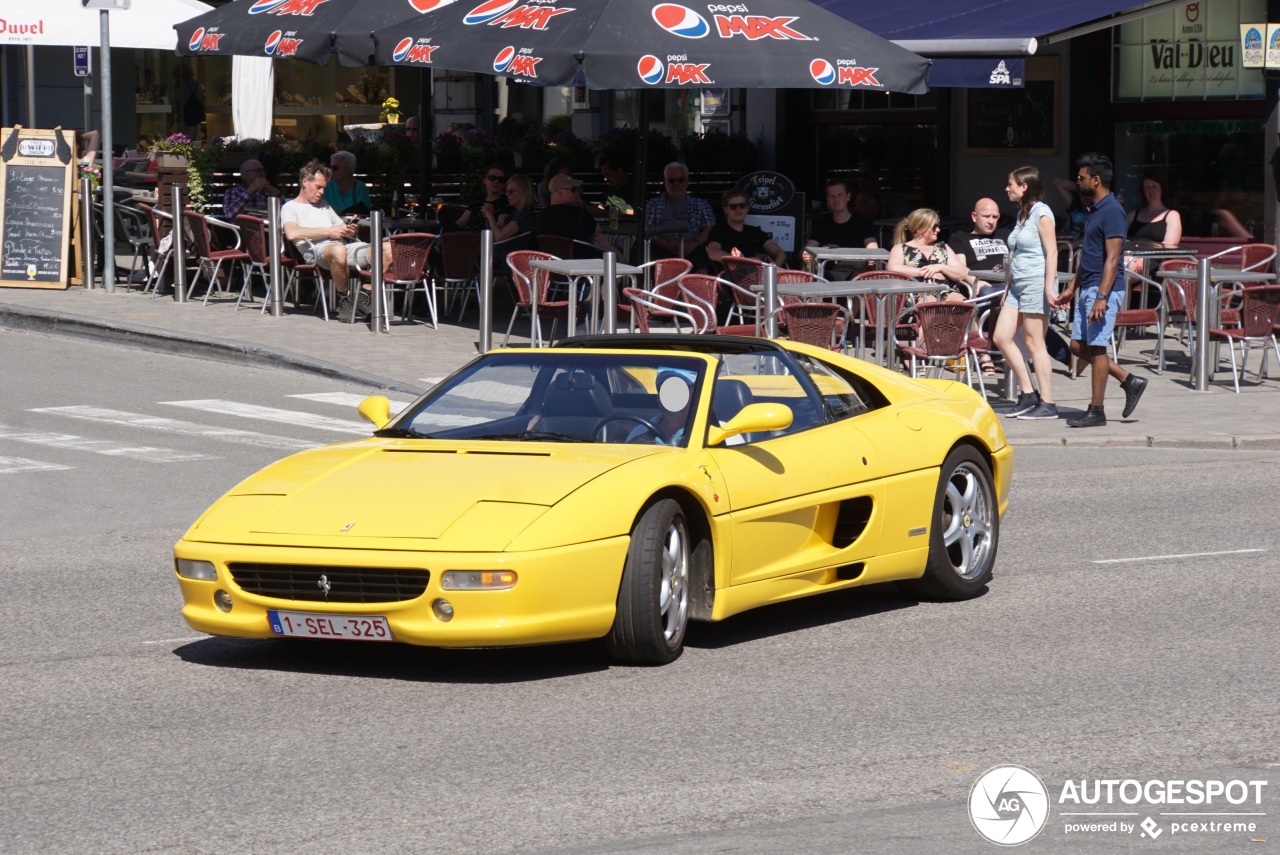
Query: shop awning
{"type": "Point", "coordinates": [145, 24]}
{"type": "Point", "coordinates": [955, 33]}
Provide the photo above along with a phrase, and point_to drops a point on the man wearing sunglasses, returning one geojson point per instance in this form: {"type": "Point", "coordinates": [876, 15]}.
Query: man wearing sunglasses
{"type": "Point", "coordinates": [674, 209]}
{"type": "Point", "coordinates": [567, 217]}
{"type": "Point", "coordinates": [495, 196]}
{"type": "Point", "coordinates": [734, 237]}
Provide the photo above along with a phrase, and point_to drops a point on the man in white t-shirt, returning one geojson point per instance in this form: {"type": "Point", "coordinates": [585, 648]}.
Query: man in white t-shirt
{"type": "Point", "coordinates": [324, 239]}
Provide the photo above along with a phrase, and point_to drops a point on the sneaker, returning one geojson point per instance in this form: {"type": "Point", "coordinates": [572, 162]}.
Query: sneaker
{"type": "Point", "coordinates": [1027, 401]}
{"type": "Point", "coordinates": [1133, 389]}
{"type": "Point", "coordinates": [364, 304]}
{"type": "Point", "coordinates": [1093, 417]}
{"type": "Point", "coordinates": [1042, 410]}
{"type": "Point", "coordinates": [346, 310]}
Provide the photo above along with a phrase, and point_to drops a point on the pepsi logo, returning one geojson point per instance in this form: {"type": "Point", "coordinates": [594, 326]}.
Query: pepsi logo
{"type": "Point", "coordinates": [401, 49]}
{"type": "Point", "coordinates": [487, 11]}
{"type": "Point", "coordinates": [503, 59]}
{"type": "Point", "coordinates": [650, 69]}
{"type": "Point", "coordinates": [822, 71]}
{"type": "Point", "coordinates": [428, 5]}
{"type": "Point", "coordinates": [273, 41]}
{"type": "Point", "coordinates": [264, 6]}
{"type": "Point", "coordinates": [197, 38]}
{"type": "Point", "coordinates": [680, 21]}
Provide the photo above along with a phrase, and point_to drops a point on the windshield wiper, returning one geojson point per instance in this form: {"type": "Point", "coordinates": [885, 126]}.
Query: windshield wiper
{"type": "Point", "coordinates": [536, 435]}
{"type": "Point", "coordinates": [403, 433]}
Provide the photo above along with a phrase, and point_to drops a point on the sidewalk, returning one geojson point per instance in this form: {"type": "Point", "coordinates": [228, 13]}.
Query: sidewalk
{"type": "Point", "coordinates": [410, 357]}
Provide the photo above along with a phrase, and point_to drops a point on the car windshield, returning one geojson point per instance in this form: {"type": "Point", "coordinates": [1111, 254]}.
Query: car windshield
{"type": "Point", "coordinates": [562, 397]}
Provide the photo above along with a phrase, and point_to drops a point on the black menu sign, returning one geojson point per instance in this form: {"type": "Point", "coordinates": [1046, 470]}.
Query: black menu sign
{"type": "Point", "coordinates": [35, 204]}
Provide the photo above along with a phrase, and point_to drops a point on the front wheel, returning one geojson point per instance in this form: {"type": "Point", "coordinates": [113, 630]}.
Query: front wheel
{"type": "Point", "coordinates": [653, 599]}
{"type": "Point", "coordinates": [965, 530]}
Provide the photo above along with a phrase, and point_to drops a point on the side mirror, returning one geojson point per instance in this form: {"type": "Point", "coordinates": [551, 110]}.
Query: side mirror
{"type": "Point", "coordinates": [376, 409]}
{"type": "Point", "coordinates": [752, 418]}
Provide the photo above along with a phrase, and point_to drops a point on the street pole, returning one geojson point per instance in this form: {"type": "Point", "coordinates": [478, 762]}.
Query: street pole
{"type": "Point", "coordinates": [108, 183]}
{"type": "Point", "coordinates": [378, 316]}
{"type": "Point", "coordinates": [86, 232]}
{"type": "Point", "coordinates": [486, 290]}
{"type": "Point", "coordinates": [276, 296]}
{"type": "Point", "coordinates": [770, 301]}
{"type": "Point", "coordinates": [1204, 293]}
{"type": "Point", "coordinates": [610, 293]}
{"type": "Point", "coordinates": [179, 249]}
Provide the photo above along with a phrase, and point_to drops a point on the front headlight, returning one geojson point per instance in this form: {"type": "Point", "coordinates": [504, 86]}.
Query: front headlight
{"type": "Point", "coordinates": [202, 570]}
{"type": "Point", "coordinates": [478, 580]}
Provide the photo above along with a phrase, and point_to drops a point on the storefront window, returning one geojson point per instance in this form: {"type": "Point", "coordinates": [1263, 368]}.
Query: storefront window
{"type": "Point", "coordinates": [1213, 171]}
{"type": "Point", "coordinates": [896, 167]}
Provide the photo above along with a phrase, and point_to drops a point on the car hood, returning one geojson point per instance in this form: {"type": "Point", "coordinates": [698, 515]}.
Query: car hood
{"type": "Point", "coordinates": [462, 496]}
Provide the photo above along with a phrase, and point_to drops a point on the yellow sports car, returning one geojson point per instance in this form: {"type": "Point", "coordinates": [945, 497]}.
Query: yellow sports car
{"type": "Point", "coordinates": [611, 487]}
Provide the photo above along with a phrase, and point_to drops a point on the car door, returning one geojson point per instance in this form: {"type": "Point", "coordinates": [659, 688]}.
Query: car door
{"type": "Point", "coordinates": [796, 494]}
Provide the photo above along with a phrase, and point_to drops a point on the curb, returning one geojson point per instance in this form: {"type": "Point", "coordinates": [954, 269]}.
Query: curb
{"type": "Point", "coordinates": [23, 319]}
{"type": "Point", "coordinates": [1212, 442]}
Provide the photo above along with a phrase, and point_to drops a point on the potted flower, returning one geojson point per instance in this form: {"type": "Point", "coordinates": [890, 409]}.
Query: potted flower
{"type": "Point", "coordinates": [391, 110]}
{"type": "Point", "coordinates": [174, 151]}
{"type": "Point", "coordinates": [93, 172]}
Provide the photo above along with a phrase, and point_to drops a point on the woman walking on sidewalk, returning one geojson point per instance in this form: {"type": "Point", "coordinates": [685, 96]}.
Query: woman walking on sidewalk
{"type": "Point", "coordinates": [1033, 253]}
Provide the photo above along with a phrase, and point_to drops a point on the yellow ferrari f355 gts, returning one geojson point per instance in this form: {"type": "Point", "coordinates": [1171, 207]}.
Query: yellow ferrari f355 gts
{"type": "Point", "coordinates": [611, 487]}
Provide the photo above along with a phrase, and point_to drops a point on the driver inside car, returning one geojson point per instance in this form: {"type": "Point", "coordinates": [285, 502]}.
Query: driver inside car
{"type": "Point", "coordinates": [675, 398]}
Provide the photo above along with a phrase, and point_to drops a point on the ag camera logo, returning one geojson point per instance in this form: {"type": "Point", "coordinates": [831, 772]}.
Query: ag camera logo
{"type": "Point", "coordinates": [1008, 805]}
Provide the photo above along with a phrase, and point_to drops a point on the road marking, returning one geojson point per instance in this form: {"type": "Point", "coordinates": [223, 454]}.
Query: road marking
{"type": "Point", "coordinates": [22, 464]}
{"type": "Point", "coordinates": [1179, 555]}
{"type": "Point", "coordinates": [346, 399]}
{"type": "Point", "coordinates": [147, 453]}
{"type": "Point", "coordinates": [182, 428]}
{"type": "Point", "coordinates": [297, 418]}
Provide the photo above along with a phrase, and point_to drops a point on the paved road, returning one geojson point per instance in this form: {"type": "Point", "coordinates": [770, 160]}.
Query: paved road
{"type": "Point", "coordinates": [857, 722]}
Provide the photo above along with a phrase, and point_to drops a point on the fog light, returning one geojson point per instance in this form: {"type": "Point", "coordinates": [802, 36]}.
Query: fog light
{"type": "Point", "coordinates": [478, 580]}
{"type": "Point", "coordinates": [222, 600]}
{"type": "Point", "coordinates": [202, 570]}
{"type": "Point", "coordinates": [443, 610]}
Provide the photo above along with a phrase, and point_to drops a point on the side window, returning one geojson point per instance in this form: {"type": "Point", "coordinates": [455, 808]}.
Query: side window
{"type": "Point", "coordinates": [754, 378]}
{"type": "Point", "coordinates": [844, 394]}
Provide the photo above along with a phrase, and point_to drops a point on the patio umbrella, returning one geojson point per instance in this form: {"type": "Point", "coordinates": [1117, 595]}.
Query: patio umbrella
{"type": "Point", "coordinates": [296, 29]}
{"type": "Point", "coordinates": [627, 44]}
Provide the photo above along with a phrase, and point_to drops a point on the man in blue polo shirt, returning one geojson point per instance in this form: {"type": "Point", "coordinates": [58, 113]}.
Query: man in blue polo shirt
{"type": "Point", "coordinates": [1100, 295]}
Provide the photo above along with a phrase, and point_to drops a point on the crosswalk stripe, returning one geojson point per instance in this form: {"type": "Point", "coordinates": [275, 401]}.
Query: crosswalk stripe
{"type": "Point", "coordinates": [22, 464]}
{"type": "Point", "coordinates": [177, 426]}
{"type": "Point", "coordinates": [346, 399]}
{"type": "Point", "coordinates": [296, 418]}
{"type": "Point", "coordinates": [72, 442]}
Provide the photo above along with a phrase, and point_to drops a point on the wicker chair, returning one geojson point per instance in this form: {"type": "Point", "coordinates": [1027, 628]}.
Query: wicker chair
{"type": "Point", "coordinates": [210, 259]}
{"type": "Point", "coordinates": [646, 306]}
{"type": "Point", "coordinates": [819, 324]}
{"type": "Point", "coordinates": [942, 336]}
{"type": "Point", "coordinates": [1259, 311]}
{"type": "Point", "coordinates": [409, 251]}
{"type": "Point", "coordinates": [1152, 316]}
{"type": "Point", "coordinates": [253, 233]}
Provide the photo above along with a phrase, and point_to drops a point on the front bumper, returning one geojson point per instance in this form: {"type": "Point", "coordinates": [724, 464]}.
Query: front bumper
{"type": "Point", "coordinates": [563, 594]}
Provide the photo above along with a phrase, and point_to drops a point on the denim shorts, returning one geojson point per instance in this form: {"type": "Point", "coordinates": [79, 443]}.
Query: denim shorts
{"type": "Point", "coordinates": [1099, 334]}
{"type": "Point", "coordinates": [1028, 296]}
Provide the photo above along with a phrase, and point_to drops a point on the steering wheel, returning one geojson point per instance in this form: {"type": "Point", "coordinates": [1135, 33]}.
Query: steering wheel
{"type": "Point", "coordinates": [598, 433]}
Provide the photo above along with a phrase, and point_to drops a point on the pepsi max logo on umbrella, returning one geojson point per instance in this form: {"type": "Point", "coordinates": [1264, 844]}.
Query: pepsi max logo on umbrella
{"type": "Point", "coordinates": [758, 27]}
{"type": "Point", "coordinates": [509, 61]}
{"type": "Point", "coordinates": [285, 7]}
{"type": "Point", "coordinates": [650, 69]}
{"type": "Point", "coordinates": [429, 5]}
{"type": "Point", "coordinates": [203, 39]}
{"type": "Point", "coordinates": [410, 51]}
{"type": "Point", "coordinates": [532, 15]}
{"type": "Point", "coordinates": [280, 46]}
{"type": "Point", "coordinates": [680, 21]}
{"type": "Point", "coordinates": [844, 72]}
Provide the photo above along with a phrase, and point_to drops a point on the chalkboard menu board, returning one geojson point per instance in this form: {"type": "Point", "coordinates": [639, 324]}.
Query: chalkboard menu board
{"type": "Point", "coordinates": [35, 201]}
{"type": "Point", "coordinates": [1015, 121]}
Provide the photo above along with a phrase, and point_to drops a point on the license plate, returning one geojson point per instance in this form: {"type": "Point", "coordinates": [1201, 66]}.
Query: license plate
{"type": "Point", "coordinates": [352, 627]}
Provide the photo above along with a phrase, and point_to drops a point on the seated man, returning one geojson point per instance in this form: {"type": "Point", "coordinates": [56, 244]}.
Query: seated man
{"type": "Point", "coordinates": [324, 239]}
{"type": "Point", "coordinates": [253, 191]}
{"type": "Point", "coordinates": [345, 193]}
{"type": "Point", "coordinates": [844, 229]}
{"type": "Point", "coordinates": [734, 237]}
{"type": "Point", "coordinates": [674, 208]}
{"type": "Point", "coordinates": [675, 397]}
{"type": "Point", "coordinates": [566, 217]}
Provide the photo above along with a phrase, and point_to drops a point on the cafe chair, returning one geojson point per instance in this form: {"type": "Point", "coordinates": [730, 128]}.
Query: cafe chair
{"type": "Point", "coordinates": [648, 307]}
{"type": "Point", "coordinates": [459, 265]}
{"type": "Point", "coordinates": [409, 251]}
{"type": "Point", "coordinates": [529, 281]}
{"type": "Point", "coordinates": [160, 225]}
{"type": "Point", "coordinates": [941, 338]}
{"type": "Point", "coordinates": [134, 226]}
{"type": "Point", "coordinates": [705, 290]}
{"type": "Point", "coordinates": [325, 293]}
{"type": "Point", "coordinates": [1131, 319]}
{"type": "Point", "coordinates": [871, 303]}
{"type": "Point", "coordinates": [253, 233]}
{"type": "Point", "coordinates": [1259, 311]}
{"type": "Point", "coordinates": [209, 259]}
{"type": "Point", "coordinates": [819, 324]}
{"type": "Point", "coordinates": [1182, 296]}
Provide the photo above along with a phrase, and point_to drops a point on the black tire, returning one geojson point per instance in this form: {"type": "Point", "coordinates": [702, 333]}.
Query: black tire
{"type": "Point", "coordinates": [648, 630]}
{"type": "Point", "coordinates": [965, 530]}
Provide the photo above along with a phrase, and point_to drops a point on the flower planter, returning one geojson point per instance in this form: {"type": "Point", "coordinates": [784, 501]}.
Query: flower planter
{"type": "Point", "coordinates": [171, 159]}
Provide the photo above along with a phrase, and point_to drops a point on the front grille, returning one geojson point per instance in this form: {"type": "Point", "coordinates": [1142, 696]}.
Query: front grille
{"type": "Point", "coordinates": [346, 584]}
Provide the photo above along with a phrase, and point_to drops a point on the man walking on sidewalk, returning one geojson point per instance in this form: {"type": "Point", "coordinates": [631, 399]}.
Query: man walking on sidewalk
{"type": "Point", "coordinates": [1100, 295]}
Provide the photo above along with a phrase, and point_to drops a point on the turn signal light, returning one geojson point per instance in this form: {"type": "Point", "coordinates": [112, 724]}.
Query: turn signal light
{"type": "Point", "coordinates": [202, 570]}
{"type": "Point", "coordinates": [478, 580]}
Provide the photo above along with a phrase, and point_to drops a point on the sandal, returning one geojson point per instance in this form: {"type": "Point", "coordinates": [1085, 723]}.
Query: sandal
{"type": "Point", "coordinates": [988, 367]}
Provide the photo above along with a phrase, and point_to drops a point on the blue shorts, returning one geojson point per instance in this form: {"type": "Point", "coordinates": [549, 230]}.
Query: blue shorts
{"type": "Point", "coordinates": [1028, 297]}
{"type": "Point", "coordinates": [1099, 334]}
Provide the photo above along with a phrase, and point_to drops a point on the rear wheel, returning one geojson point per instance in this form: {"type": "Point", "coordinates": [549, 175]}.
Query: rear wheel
{"type": "Point", "coordinates": [653, 599]}
{"type": "Point", "coordinates": [965, 530]}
